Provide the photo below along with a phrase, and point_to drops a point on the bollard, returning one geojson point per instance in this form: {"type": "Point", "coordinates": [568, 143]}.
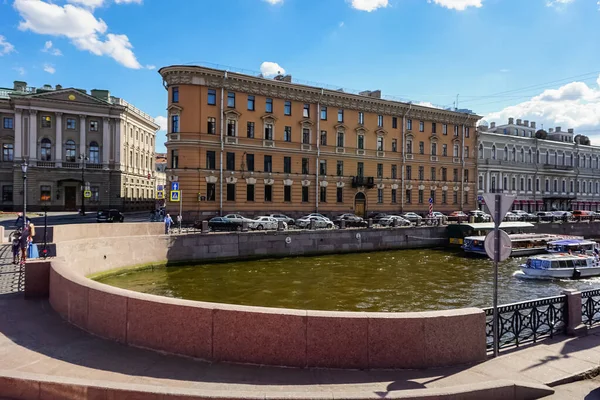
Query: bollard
{"type": "Point", "coordinates": [575, 327]}
{"type": "Point", "coordinates": [539, 219]}
{"type": "Point", "coordinates": [553, 218]}
{"type": "Point", "coordinates": [578, 218]}
{"type": "Point", "coordinates": [395, 223]}
{"type": "Point", "coordinates": [471, 219]}
{"type": "Point", "coordinates": [444, 220]}
{"type": "Point", "coordinates": [370, 223]}
{"type": "Point", "coordinates": [279, 226]}
{"type": "Point", "coordinates": [312, 225]}
{"type": "Point", "coordinates": [204, 226]}
{"type": "Point", "coordinates": [418, 223]}
{"type": "Point", "coordinates": [342, 224]}
{"type": "Point", "coordinates": [244, 226]}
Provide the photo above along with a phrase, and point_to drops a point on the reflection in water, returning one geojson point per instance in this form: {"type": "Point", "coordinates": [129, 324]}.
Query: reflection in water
{"type": "Point", "coordinates": [404, 280]}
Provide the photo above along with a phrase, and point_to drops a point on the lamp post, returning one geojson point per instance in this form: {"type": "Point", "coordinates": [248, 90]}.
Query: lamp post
{"type": "Point", "coordinates": [45, 250]}
{"type": "Point", "coordinates": [24, 169]}
{"type": "Point", "coordinates": [83, 159]}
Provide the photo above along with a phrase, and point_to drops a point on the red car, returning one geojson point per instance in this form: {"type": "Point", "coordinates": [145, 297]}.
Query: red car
{"type": "Point", "coordinates": [456, 215]}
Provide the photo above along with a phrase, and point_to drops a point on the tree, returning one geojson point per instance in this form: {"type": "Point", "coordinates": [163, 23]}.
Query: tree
{"type": "Point", "coordinates": [582, 139]}
{"type": "Point", "coordinates": [541, 134]}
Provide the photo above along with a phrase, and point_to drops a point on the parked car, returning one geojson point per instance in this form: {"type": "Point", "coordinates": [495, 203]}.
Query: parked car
{"type": "Point", "coordinates": [437, 214]}
{"type": "Point", "coordinates": [480, 216]}
{"type": "Point", "coordinates": [320, 222]}
{"type": "Point", "coordinates": [390, 219]}
{"type": "Point", "coordinates": [284, 218]}
{"type": "Point", "coordinates": [241, 219]}
{"type": "Point", "coordinates": [112, 215]}
{"type": "Point", "coordinates": [223, 224]}
{"type": "Point", "coordinates": [524, 215]}
{"type": "Point", "coordinates": [511, 216]}
{"type": "Point", "coordinates": [545, 215]}
{"type": "Point", "coordinates": [455, 215]}
{"type": "Point", "coordinates": [412, 217]}
{"type": "Point", "coordinates": [266, 222]}
{"type": "Point", "coordinates": [562, 214]}
{"type": "Point", "coordinates": [351, 220]}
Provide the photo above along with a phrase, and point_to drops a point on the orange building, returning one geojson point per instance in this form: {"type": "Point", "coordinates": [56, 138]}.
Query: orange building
{"type": "Point", "coordinates": [247, 144]}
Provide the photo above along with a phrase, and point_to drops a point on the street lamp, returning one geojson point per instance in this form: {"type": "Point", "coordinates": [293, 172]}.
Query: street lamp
{"type": "Point", "coordinates": [24, 169]}
{"type": "Point", "coordinates": [83, 159]}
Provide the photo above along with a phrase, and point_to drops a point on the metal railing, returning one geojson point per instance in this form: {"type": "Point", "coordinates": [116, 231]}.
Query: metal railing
{"type": "Point", "coordinates": [119, 101]}
{"type": "Point", "coordinates": [590, 307]}
{"type": "Point", "coordinates": [527, 321]}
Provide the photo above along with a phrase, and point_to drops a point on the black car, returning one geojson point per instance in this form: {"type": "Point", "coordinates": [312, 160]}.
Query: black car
{"type": "Point", "coordinates": [223, 224]}
{"type": "Point", "coordinates": [377, 216]}
{"type": "Point", "coordinates": [351, 220]}
{"type": "Point", "coordinates": [110, 216]}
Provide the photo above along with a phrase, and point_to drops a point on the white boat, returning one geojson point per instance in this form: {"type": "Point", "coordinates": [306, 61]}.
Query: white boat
{"type": "Point", "coordinates": [523, 244]}
{"type": "Point", "coordinates": [561, 266]}
{"type": "Point", "coordinates": [574, 246]}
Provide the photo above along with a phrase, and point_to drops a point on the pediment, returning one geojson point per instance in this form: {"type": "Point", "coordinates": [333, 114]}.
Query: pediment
{"type": "Point", "coordinates": [232, 114]}
{"type": "Point", "coordinates": [433, 138]}
{"type": "Point", "coordinates": [410, 136]}
{"type": "Point", "coordinates": [269, 118]}
{"type": "Point", "coordinates": [174, 108]}
{"type": "Point", "coordinates": [68, 95]}
{"type": "Point", "coordinates": [306, 122]}
{"type": "Point", "coordinates": [340, 127]}
{"type": "Point", "coordinates": [361, 130]}
{"type": "Point", "coordinates": [457, 141]}
{"type": "Point", "coordinates": [381, 132]}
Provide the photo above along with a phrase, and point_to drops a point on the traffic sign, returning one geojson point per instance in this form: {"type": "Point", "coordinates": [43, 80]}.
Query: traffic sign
{"type": "Point", "coordinates": [431, 200]}
{"type": "Point", "coordinates": [160, 187]}
{"type": "Point", "coordinates": [87, 194]}
{"type": "Point", "coordinates": [160, 194]}
{"type": "Point", "coordinates": [505, 245]}
{"type": "Point", "coordinates": [506, 202]}
{"type": "Point", "coordinates": [175, 186]}
{"type": "Point", "coordinates": [175, 195]}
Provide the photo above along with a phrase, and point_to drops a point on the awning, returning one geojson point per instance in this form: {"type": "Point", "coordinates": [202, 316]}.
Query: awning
{"type": "Point", "coordinates": [540, 202]}
{"type": "Point", "coordinates": [531, 201]}
{"type": "Point", "coordinates": [517, 202]}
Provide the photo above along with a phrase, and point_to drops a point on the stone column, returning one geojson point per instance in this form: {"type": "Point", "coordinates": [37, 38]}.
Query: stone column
{"type": "Point", "coordinates": [33, 134]}
{"type": "Point", "coordinates": [105, 142]}
{"type": "Point", "coordinates": [82, 135]}
{"type": "Point", "coordinates": [117, 142]}
{"type": "Point", "coordinates": [487, 182]}
{"type": "Point", "coordinates": [574, 324]}
{"type": "Point", "coordinates": [18, 134]}
{"type": "Point", "coordinates": [59, 141]}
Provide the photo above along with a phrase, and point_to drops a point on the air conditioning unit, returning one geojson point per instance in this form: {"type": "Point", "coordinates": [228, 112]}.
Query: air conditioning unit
{"type": "Point", "coordinates": [433, 158]}
{"type": "Point", "coordinates": [305, 147]}
{"type": "Point", "coordinates": [268, 143]}
{"type": "Point", "coordinates": [231, 140]}
{"type": "Point", "coordinates": [340, 150]}
{"type": "Point", "coordinates": [381, 154]}
{"type": "Point", "coordinates": [360, 152]}
{"type": "Point", "coordinates": [409, 157]}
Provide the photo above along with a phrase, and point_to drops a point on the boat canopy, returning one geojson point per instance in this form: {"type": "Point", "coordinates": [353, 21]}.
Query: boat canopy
{"type": "Point", "coordinates": [503, 225]}
{"type": "Point", "coordinates": [570, 242]}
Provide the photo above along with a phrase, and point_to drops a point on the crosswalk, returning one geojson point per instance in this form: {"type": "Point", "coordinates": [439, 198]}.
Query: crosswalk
{"type": "Point", "coordinates": [12, 277]}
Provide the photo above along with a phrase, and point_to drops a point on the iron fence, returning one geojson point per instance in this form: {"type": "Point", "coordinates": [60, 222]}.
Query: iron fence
{"type": "Point", "coordinates": [590, 307]}
{"type": "Point", "coordinates": [527, 321]}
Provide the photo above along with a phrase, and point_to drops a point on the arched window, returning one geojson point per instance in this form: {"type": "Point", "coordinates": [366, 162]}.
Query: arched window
{"type": "Point", "coordinates": [547, 157]}
{"type": "Point", "coordinates": [514, 154]}
{"type": "Point", "coordinates": [537, 156]}
{"type": "Point", "coordinates": [94, 153]}
{"type": "Point", "coordinates": [481, 151]}
{"type": "Point", "coordinates": [70, 149]}
{"type": "Point", "coordinates": [505, 153]}
{"type": "Point", "coordinates": [45, 150]}
{"type": "Point", "coordinates": [529, 156]}
{"type": "Point", "coordinates": [522, 159]}
{"type": "Point", "coordinates": [493, 152]}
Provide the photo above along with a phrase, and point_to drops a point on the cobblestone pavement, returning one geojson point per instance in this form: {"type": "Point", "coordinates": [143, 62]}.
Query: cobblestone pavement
{"type": "Point", "coordinates": [12, 278]}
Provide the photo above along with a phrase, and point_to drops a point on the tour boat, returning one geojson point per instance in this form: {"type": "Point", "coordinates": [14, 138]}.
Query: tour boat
{"type": "Point", "coordinates": [561, 266]}
{"type": "Point", "coordinates": [523, 244]}
{"type": "Point", "coordinates": [575, 246]}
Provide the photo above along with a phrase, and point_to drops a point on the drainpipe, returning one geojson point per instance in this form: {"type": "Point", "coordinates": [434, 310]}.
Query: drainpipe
{"type": "Point", "coordinates": [318, 133]}
{"type": "Point", "coordinates": [402, 183]}
{"type": "Point", "coordinates": [222, 148]}
{"type": "Point", "coordinates": [462, 157]}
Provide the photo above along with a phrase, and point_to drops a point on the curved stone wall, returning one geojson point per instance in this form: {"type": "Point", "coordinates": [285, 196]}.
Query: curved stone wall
{"type": "Point", "coordinates": [241, 334]}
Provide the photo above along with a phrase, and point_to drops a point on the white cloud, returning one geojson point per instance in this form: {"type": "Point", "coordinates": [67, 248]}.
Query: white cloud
{"type": "Point", "coordinates": [558, 3]}
{"type": "Point", "coordinates": [369, 5]}
{"type": "Point", "coordinates": [271, 69]}
{"type": "Point", "coordinates": [5, 47]}
{"type": "Point", "coordinates": [459, 5]}
{"type": "Point", "coordinates": [341, 24]}
{"type": "Point", "coordinates": [88, 3]}
{"type": "Point", "coordinates": [49, 48]}
{"type": "Point", "coordinates": [274, 1]}
{"type": "Point", "coordinates": [150, 67]}
{"type": "Point", "coordinates": [162, 122]}
{"type": "Point", "coordinates": [128, 1]}
{"type": "Point", "coordinates": [20, 70]}
{"type": "Point", "coordinates": [49, 68]}
{"type": "Point", "coordinates": [505, 70]}
{"type": "Point", "coordinates": [78, 24]}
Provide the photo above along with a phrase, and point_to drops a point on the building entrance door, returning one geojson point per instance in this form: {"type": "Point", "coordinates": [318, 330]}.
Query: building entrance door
{"type": "Point", "coordinates": [360, 204]}
{"type": "Point", "coordinates": [70, 198]}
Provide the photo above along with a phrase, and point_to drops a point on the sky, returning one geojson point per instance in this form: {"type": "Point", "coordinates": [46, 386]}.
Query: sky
{"type": "Point", "coordinates": [537, 60]}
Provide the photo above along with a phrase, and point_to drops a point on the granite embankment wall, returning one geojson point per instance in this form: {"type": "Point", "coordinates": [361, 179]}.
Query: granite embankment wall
{"type": "Point", "coordinates": [219, 332]}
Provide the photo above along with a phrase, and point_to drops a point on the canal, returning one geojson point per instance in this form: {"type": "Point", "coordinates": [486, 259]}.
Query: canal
{"type": "Point", "coordinates": [403, 280]}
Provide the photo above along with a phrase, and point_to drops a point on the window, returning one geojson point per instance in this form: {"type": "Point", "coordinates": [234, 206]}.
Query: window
{"type": "Point", "coordinates": [231, 127]}
{"type": "Point", "coordinates": [212, 97]}
{"type": "Point", "coordinates": [324, 113]}
{"type": "Point", "coordinates": [93, 126]}
{"type": "Point", "coordinates": [466, 152]}
{"type": "Point", "coordinates": [420, 197]}
{"type": "Point", "coordinates": [421, 173]}
{"type": "Point", "coordinates": [287, 108]}
{"type": "Point", "coordinates": [231, 192]}
{"type": "Point", "coordinates": [433, 127]}
{"type": "Point", "coordinates": [380, 170]}
{"type": "Point", "coordinates": [249, 192]}
{"type": "Point", "coordinates": [466, 197]}
{"type": "Point", "coordinates": [433, 174]}
{"type": "Point", "coordinates": [394, 122]}
{"type": "Point", "coordinates": [467, 133]}
{"type": "Point", "coordinates": [268, 164]}
{"type": "Point", "coordinates": [434, 149]}
{"type": "Point", "coordinates": [71, 123]}
{"type": "Point", "coordinates": [230, 162]}
{"type": "Point", "coordinates": [394, 171]}
{"type": "Point", "coordinates": [70, 149]}
{"type": "Point", "coordinates": [480, 151]}
{"type": "Point", "coordinates": [455, 130]}
{"type": "Point", "coordinates": [529, 185]}
{"type": "Point", "coordinates": [251, 103]}
{"type": "Point", "coordinates": [455, 151]}
{"type": "Point", "coordinates": [514, 184]}
{"type": "Point", "coordinates": [46, 150]}
{"type": "Point", "coordinates": [46, 193]}
{"type": "Point", "coordinates": [339, 195]}
{"type": "Point", "coordinates": [548, 186]}
{"type": "Point", "coordinates": [323, 167]}
{"type": "Point", "coordinates": [268, 193]}
{"type": "Point", "coordinates": [444, 129]}
{"type": "Point", "coordinates": [480, 183]}
{"type": "Point", "coordinates": [287, 165]}
{"type": "Point", "coordinates": [305, 135]}
{"type": "Point", "coordinates": [380, 196]}
{"type": "Point", "coordinates": [360, 142]}
{"type": "Point", "coordinates": [360, 169]}
{"type": "Point", "coordinates": [570, 186]}
{"type": "Point", "coordinates": [361, 118]}
{"type": "Point", "coordinates": [269, 106]}
{"type": "Point", "coordinates": [379, 143]}
{"type": "Point", "coordinates": [340, 168]}
{"type": "Point", "coordinates": [455, 174]}
{"type": "Point", "coordinates": [340, 115]}
{"type": "Point", "coordinates": [211, 125]}
{"type": "Point", "coordinates": [556, 186]}
{"type": "Point", "coordinates": [250, 130]}
{"type": "Point", "coordinates": [505, 183]}
{"type": "Point", "coordinates": [7, 193]}
{"type": "Point", "coordinates": [432, 196]}
{"type": "Point", "coordinates": [522, 185]}
{"type": "Point", "coordinates": [305, 194]}
{"type": "Point", "coordinates": [211, 160]}
{"type": "Point", "coordinates": [409, 124]}
{"type": "Point", "coordinates": [394, 145]}
{"type": "Point", "coordinates": [94, 153]}
{"type": "Point", "coordinates": [230, 99]}
{"type": "Point", "coordinates": [268, 131]}
{"type": "Point", "coordinates": [340, 139]}
{"type": "Point", "coordinates": [287, 194]}
{"type": "Point", "coordinates": [8, 123]}
{"type": "Point", "coordinates": [455, 198]}
{"type": "Point", "coordinates": [380, 121]}
{"type": "Point", "coordinates": [408, 172]}
{"type": "Point", "coordinates": [408, 196]}
{"type": "Point", "coordinates": [175, 95]}
{"type": "Point", "coordinates": [250, 162]}
{"type": "Point", "coordinates": [421, 147]}
{"type": "Point", "coordinates": [444, 197]}
{"type": "Point", "coordinates": [305, 166]}
{"type": "Point", "coordinates": [323, 194]}
{"type": "Point", "coordinates": [444, 174]}
{"type": "Point", "coordinates": [306, 111]}
{"type": "Point", "coordinates": [175, 123]}
{"type": "Point", "coordinates": [323, 138]}
{"type": "Point", "coordinates": [564, 186]}
{"type": "Point", "coordinates": [287, 134]}
{"type": "Point", "coordinates": [394, 199]}
{"type": "Point", "coordinates": [421, 126]}
{"type": "Point", "coordinates": [46, 121]}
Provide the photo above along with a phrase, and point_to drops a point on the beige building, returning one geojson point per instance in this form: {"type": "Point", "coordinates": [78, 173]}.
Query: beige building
{"type": "Point", "coordinates": [75, 142]}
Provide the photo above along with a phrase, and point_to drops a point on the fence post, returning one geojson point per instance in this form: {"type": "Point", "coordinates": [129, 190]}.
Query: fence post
{"type": "Point", "coordinates": [573, 308]}
{"type": "Point", "coordinates": [279, 226]}
{"type": "Point", "coordinates": [204, 226]}
{"type": "Point", "coordinates": [342, 224]}
{"type": "Point", "coordinates": [370, 223]}
{"type": "Point", "coordinates": [245, 226]}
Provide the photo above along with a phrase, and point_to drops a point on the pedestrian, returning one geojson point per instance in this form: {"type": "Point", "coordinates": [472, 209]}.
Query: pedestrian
{"type": "Point", "coordinates": [168, 223]}
{"type": "Point", "coordinates": [16, 236]}
{"type": "Point", "coordinates": [24, 244]}
{"type": "Point", "coordinates": [179, 221]}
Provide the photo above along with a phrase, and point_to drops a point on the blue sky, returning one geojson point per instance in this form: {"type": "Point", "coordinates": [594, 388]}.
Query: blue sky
{"type": "Point", "coordinates": [529, 59]}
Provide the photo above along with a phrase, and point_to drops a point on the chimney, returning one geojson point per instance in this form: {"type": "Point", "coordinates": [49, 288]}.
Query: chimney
{"type": "Point", "coordinates": [526, 123]}
{"type": "Point", "coordinates": [19, 86]}
{"type": "Point", "coordinates": [558, 129]}
{"type": "Point", "coordinates": [100, 94]}
{"type": "Point", "coordinates": [365, 93]}
{"type": "Point", "coordinates": [493, 125]}
{"type": "Point", "coordinates": [550, 130]}
{"type": "Point", "coordinates": [58, 87]}
{"type": "Point", "coordinates": [518, 122]}
{"type": "Point", "coordinates": [376, 94]}
{"type": "Point", "coordinates": [511, 121]}
{"type": "Point", "coordinates": [571, 131]}
{"type": "Point", "coordinates": [533, 124]}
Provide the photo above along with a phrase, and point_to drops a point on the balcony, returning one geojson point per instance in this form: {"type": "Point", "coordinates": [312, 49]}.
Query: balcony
{"type": "Point", "coordinates": [93, 166]}
{"type": "Point", "coordinates": [73, 165]}
{"type": "Point", "coordinates": [366, 181]}
{"type": "Point", "coordinates": [558, 167]}
{"type": "Point", "coordinates": [45, 164]}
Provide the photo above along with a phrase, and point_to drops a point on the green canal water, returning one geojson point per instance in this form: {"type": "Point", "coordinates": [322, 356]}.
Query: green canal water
{"type": "Point", "coordinates": [404, 280]}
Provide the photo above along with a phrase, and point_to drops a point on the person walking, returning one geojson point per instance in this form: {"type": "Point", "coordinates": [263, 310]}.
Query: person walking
{"type": "Point", "coordinates": [168, 223]}
{"type": "Point", "coordinates": [16, 240]}
{"type": "Point", "coordinates": [24, 243]}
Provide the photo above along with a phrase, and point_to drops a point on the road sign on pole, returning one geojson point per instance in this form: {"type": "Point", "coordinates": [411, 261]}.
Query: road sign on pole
{"type": "Point", "coordinates": [87, 194]}
{"type": "Point", "coordinates": [160, 195]}
{"type": "Point", "coordinates": [174, 186]}
{"type": "Point", "coordinates": [505, 245]}
{"type": "Point", "coordinates": [175, 195]}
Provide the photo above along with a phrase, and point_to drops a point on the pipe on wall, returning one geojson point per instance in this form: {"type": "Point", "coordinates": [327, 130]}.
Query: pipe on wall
{"type": "Point", "coordinates": [402, 185]}
{"type": "Point", "coordinates": [222, 149]}
{"type": "Point", "coordinates": [317, 136]}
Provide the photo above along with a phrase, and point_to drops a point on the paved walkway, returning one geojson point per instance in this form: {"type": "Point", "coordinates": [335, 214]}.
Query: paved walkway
{"type": "Point", "coordinates": [587, 389]}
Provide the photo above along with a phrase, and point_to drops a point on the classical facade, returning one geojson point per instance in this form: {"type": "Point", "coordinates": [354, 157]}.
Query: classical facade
{"type": "Point", "coordinates": [555, 173]}
{"type": "Point", "coordinates": [241, 143]}
{"type": "Point", "coordinates": [74, 143]}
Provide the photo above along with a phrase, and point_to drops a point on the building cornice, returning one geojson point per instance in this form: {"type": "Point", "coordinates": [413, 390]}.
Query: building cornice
{"type": "Point", "coordinates": [195, 75]}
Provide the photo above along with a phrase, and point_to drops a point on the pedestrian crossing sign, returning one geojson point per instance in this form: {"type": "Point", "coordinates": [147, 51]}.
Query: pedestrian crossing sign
{"type": "Point", "coordinates": [160, 194]}
{"type": "Point", "coordinates": [175, 195]}
{"type": "Point", "coordinates": [87, 194]}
